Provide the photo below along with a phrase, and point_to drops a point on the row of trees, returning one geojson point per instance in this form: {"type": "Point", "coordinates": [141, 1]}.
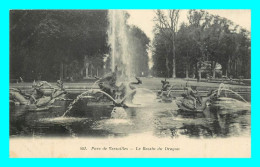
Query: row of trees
{"type": "Point", "coordinates": [139, 43]}
{"type": "Point", "coordinates": [206, 38]}
{"type": "Point", "coordinates": [49, 44]}
{"type": "Point", "coordinates": [52, 44]}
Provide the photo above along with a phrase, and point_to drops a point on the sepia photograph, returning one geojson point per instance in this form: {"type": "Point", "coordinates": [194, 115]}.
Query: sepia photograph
{"type": "Point", "coordinates": [157, 83]}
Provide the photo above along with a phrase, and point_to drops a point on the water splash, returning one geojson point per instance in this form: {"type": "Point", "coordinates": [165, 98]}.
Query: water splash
{"type": "Point", "coordinates": [118, 113]}
{"type": "Point", "coordinates": [82, 95]}
{"type": "Point", "coordinates": [222, 87]}
{"type": "Point", "coordinates": [236, 94]}
{"type": "Point", "coordinates": [92, 86]}
{"type": "Point", "coordinates": [140, 97]}
{"type": "Point", "coordinates": [75, 101]}
{"type": "Point", "coordinates": [47, 83]}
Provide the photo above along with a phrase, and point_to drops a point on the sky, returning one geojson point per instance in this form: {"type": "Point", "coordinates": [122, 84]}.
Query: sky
{"type": "Point", "coordinates": [144, 18]}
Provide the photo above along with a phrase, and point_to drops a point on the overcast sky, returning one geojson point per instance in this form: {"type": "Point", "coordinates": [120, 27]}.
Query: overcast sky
{"type": "Point", "coordinates": [144, 18]}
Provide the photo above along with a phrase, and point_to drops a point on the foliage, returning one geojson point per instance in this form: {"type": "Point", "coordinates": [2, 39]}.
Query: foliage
{"type": "Point", "coordinates": [53, 44]}
{"type": "Point", "coordinates": [41, 41]}
{"type": "Point", "coordinates": [206, 38]}
{"type": "Point", "coordinates": [166, 23]}
{"type": "Point", "coordinates": [139, 44]}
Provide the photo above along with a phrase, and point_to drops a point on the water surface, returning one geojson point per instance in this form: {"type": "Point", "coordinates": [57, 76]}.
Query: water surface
{"type": "Point", "coordinates": [228, 117]}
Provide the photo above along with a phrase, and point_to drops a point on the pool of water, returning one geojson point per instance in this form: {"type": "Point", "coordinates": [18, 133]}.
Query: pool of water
{"type": "Point", "coordinates": [227, 117]}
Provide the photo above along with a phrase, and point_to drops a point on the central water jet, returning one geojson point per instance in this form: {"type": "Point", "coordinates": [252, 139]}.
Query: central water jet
{"type": "Point", "coordinates": [119, 43]}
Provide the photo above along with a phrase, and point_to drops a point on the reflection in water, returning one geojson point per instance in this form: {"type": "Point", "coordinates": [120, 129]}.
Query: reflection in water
{"type": "Point", "coordinates": [226, 117]}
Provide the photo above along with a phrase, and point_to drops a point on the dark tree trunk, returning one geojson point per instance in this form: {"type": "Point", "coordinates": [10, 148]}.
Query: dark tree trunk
{"type": "Point", "coordinates": [173, 61]}
{"type": "Point", "coordinates": [187, 70]}
{"type": "Point", "coordinates": [61, 71]}
{"type": "Point", "coordinates": [213, 67]}
{"type": "Point", "coordinates": [167, 59]}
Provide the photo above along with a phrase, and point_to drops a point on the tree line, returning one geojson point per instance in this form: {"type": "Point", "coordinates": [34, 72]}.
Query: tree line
{"type": "Point", "coordinates": [182, 51]}
{"type": "Point", "coordinates": [53, 44]}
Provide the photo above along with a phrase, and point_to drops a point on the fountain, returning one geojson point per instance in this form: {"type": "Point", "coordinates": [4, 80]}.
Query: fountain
{"type": "Point", "coordinates": [121, 65]}
{"type": "Point", "coordinates": [222, 87]}
{"type": "Point", "coordinates": [143, 114]}
{"type": "Point", "coordinates": [118, 40]}
{"type": "Point", "coordinates": [94, 84]}
{"type": "Point", "coordinates": [82, 95]}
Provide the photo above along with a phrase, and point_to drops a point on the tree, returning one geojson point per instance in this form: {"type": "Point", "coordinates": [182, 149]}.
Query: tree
{"type": "Point", "coordinates": [199, 20]}
{"type": "Point", "coordinates": [139, 44]}
{"type": "Point", "coordinates": [167, 25]}
{"type": "Point", "coordinates": [160, 55]}
{"type": "Point", "coordinates": [44, 43]}
{"type": "Point", "coordinates": [185, 54]}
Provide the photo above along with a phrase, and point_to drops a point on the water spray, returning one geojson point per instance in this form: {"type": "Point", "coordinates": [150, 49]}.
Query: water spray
{"type": "Point", "coordinates": [223, 87]}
